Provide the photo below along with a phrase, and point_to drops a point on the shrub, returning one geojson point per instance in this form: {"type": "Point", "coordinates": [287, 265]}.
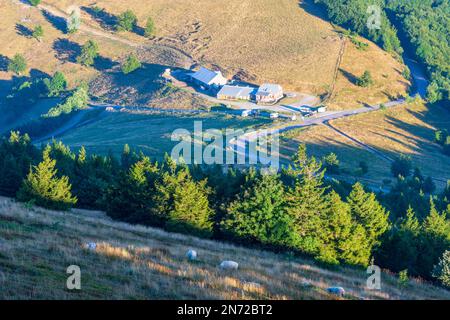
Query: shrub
{"type": "Point", "coordinates": [35, 2]}
{"type": "Point", "coordinates": [126, 21]}
{"type": "Point", "coordinates": [149, 27]}
{"type": "Point", "coordinates": [18, 64]}
{"type": "Point", "coordinates": [56, 84]}
{"type": "Point", "coordinates": [365, 80]}
{"type": "Point", "coordinates": [89, 52]}
{"type": "Point", "coordinates": [131, 64]}
{"type": "Point", "coordinates": [403, 278]}
{"type": "Point", "coordinates": [38, 32]}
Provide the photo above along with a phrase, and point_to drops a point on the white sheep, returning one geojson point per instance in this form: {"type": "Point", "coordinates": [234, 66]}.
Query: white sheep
{"type": "Point", "coordinates": [91, 246]}
{"type": "Point", "coordinates": [229, 265]}
{"type": "Point", "coordinates": [339, 291]}
{"type": "Point", "coordinates": [191, 255]}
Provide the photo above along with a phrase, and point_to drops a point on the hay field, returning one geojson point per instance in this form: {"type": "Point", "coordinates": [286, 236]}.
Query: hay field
{"type": "Point", "coordinates": [134, 262]}
{"type": "Point", "coordinates": [401, 130]}
{"type": "Point", "coordinates": [56, 51]}
{"type": "Point", "coordinates": [389, 83]}
{"type": "Point", "coordinates": [285, 41]}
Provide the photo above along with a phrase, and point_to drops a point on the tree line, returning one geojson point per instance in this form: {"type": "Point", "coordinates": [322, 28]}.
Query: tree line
{"type": "Point", "coordinates": [296, 209]}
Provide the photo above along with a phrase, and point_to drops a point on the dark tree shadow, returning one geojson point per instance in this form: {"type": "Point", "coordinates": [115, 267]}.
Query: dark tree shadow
{"type": "Point", "coordinates": [38, 74]}
{"type": "Point", "coordinates": [139, 30]}
{"type": "Point", "coordinates": [57, 22]}
{"type": "Point", "coordinates": [106, 20]}
{"type": "Point", "coordinates": [66, 50]}
{"type": "Point", "coordinates": [350, 77]}
{"type": "Point", "coordinates": [316, 9]}
{"type": "Point", "coordinates": [103, 63]}
{"type": "Point", "coordinates": [23, 30]}
{"type": "Point", "coordinates": [4, 61]}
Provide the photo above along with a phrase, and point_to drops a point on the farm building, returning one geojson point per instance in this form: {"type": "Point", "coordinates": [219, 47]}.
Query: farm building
{"type": "Point", "coordinates": [246, 113]}
{"type": "Point", "coordinates": [209, 78]}
{"type": "Point", "coordinates": [236, 93]}
{"type": "Point", "coordinates": [269, 93]}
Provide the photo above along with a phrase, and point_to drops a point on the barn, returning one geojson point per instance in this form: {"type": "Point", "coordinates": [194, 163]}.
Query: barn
{"type": "Point", "coordinates": [269, 93]}
{"type": "Point", "coordinates": [208, 78]}
{"type": "Point", "coordinates": [236, 93]}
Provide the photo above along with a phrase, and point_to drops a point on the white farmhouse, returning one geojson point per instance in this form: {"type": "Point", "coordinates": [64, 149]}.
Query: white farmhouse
{"type": "Point", "coordinates": [269, 93]}
{"type": "Point", "coordinates": [209, 78]}
{"type": "Point", "coordinates": [235, 93]}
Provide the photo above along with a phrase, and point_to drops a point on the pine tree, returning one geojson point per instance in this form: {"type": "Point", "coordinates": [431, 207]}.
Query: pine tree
{"type": "Point", "coordinates": [306, 200]}
{"type": "Point", "coordinates": [369, 213]}
{"type": "Point", "coordinates": [400, 249]}
{"type": "Point", "coordinates": [435, 239]}
{"type": "Point", "coordinates": [131, 198]}
{"type": "Point", "coordinates": [183, 201]}
{"type": "Point", "coordinates": [442, 270]}
{"type": "Point", "coordinates": [259, 213]}
{"type": "Point", "coordinates": [17, 154]}
{"type": "Point", "coordinates": [44, 188]}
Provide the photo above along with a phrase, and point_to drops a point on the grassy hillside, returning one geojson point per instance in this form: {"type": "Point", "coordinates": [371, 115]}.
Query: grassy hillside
{"type": "Point", "coordinates": [133, 262]}
{"type": "Point", "coordinates": [408, 130]}
{"type": "Point", "coordinates": [148, 133]}
{"type": "Point", "coordinates": [259, 41]}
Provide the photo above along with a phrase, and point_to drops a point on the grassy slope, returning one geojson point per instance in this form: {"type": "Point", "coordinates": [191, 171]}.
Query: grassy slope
{"type": "Point", "coordinates": [149, 133]}
{"type": "Point", "coordinates": [132, 262]}
{"type": "Point", "coordinates": [408, 130]}
{"type": "Point", "coordinates": [277, 41]}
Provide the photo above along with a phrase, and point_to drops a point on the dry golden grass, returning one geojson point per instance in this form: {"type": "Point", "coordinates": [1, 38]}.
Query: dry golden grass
{"type": "Point", "coordinates": [285, 41]}
{"type": "Point", "coordinates": [42, 56]}
{"type": "Point", "coordinates": [134, 262]}
{"type": "Point", "coordinates": [408, 130]}
{"type": "Point", "coordinates": [389, 83]}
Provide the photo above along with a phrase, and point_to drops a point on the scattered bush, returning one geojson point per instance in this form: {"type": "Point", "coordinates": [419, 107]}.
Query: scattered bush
{"type": "Point", "coordinates": [89, 52]}
{"type": "Point", "coordinates": [126, 21]}
{"type": "Point", "coordinates": [38, 32]}
{"type": "Point", "coordinates": [149, 28]}
{"type": "Point", "coordinates": [56, 84]}
{"type": "Point", "coordinates": [442, 270]}
{"type": "Point", "coordinates": [131, 64]}
{"type": "Point", "coordinates": [365, 80]}
{"type": "Point", "coordinates": [17, 64]}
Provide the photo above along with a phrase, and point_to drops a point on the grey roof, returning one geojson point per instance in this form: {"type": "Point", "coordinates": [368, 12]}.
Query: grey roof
{"type": "Point", "coordinates": [268, 88]}
{"type": "Point", "coordinates": [209, 77]}
{"type": "Point", "coordinates": [236, 91]}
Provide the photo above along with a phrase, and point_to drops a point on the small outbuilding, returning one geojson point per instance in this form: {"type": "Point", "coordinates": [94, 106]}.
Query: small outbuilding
{"type": "Point", "coordinates": [246, 113]}
{"type": "Point", "coordinates": [209, 78]}
{"type": "Point", "coordinates": [236, 93]}
{"type": "Point", "coordinates": [269, 93]}
{"type": "Point", "coordinates": [274, 115]}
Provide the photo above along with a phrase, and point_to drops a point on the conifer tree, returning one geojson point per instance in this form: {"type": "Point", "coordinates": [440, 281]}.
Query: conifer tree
{"type": "Point", "coordinates": [435, 239]}
{"type": "Point", "coordinates": [306, 200]}
{"type": "Point", "coordinates": [43, 187]}
{"type": "Point", "coordinates": [183, 201]}
{"type": "Point", "coordinates": [259, 213]}
{"type": "Point", "coordinates": [442, 270]}
{"type": "Point", "coordinates": [131, 198]}
{"type": "Point", "coordinates": [17, 154]}
{"type": "Point", "coordinates": [369, 213]}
